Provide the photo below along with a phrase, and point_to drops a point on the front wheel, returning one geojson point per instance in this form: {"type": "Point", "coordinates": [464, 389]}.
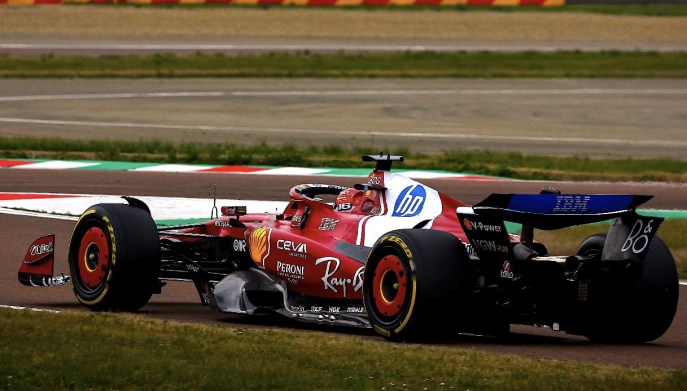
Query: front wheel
{"type": "Point", "coordinates": [416, 284]}
{"type": "Point", "coordinates": [114, 257]}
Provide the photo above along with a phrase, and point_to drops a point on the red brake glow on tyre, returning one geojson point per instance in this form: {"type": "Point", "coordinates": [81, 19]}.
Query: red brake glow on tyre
{"type": "Point", "coordinates": [389, 286]}
{"type": "Point", "coordinates": [93, 257]}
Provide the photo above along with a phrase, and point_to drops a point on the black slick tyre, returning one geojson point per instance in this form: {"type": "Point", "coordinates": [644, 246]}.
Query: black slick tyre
{"type": "Point", "coordinates": [114, 257]}
{"type": "Point", "coordinates": [416, 284]}
{"type": "Point", "coordinates": [636, 310]}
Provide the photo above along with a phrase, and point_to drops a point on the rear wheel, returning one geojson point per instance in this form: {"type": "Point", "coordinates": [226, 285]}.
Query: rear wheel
{"type": "Point", "coordinates": [631, 311]}
{"type": "Point", "coordinates": [114, 257]}
{"type": "Point", "coordinates": [416, 284]}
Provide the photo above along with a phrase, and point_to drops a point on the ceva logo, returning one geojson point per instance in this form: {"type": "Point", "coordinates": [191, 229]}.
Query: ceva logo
{"type": "Point", "coordinates": [410, 201]}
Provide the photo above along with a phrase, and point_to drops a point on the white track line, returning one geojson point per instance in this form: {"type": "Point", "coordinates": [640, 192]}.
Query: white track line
{"type": "Point", "coordinates": [211, 94]}
{"type": "Point", "coordinates": [18, 307]}
{"type": "Point", "coordinates": [611, 141]}
{"type": "Point", "coordinates": [19, 212]}
{"type": "Point", "coordinates": [318, 47]}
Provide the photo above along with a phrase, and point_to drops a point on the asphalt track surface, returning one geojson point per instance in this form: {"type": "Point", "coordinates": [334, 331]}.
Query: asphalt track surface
{"type": "Point", "coordinates": [95, 30]}
{"type": "Point", "coordinates": [598, 118]}
{"type": "Point", "coordinates": [83, 46]}
{"type": "Point", "coordinates": [179, 300]}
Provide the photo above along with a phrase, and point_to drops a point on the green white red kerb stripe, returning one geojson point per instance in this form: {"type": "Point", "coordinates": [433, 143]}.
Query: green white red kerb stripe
{"type": "Point", "coordinates": [233, 169]}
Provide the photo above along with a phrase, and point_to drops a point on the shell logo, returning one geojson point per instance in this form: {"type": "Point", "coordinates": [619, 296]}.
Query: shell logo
{"type": "Point", "coordinates": [258, 243]}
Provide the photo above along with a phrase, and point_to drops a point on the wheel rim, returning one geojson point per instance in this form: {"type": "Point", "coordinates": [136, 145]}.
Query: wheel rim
{"type": "Point", "coordinates": [93, 257]}
{"type": "Point", "coordinates": [389, 286]}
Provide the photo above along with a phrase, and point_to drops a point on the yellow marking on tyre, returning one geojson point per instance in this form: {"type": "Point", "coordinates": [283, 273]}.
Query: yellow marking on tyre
{"type": "Point", "coordinates": [113, 242]}
{"type": "Point", "coordinates": [382, 331]}
{"type": "Point", "coordinates": [401, 243]}
{"type": "Point", "coordinates": [86, 213]}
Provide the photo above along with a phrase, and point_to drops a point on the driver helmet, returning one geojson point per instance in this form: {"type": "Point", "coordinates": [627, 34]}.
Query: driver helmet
{"type": "Point", "coordinates": [359, 199]}
{"type": "Point", "coordinates": [348, 200]}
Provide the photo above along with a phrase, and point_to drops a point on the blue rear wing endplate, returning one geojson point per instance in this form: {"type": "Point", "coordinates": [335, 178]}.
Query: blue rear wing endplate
{"type": "Point", "coordinates": [555, 211]}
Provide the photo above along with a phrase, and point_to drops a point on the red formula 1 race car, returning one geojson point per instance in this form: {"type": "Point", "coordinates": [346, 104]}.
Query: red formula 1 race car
{"type": "Point", "coordinates": [392, 254]}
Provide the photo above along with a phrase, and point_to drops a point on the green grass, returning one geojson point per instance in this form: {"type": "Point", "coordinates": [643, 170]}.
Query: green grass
{"type": "Point", "coordinates": [609, 64]}
{"type": "Point", "coordinates": [77, 350]}
{"type": "Point", "coordinates": [506, 164]}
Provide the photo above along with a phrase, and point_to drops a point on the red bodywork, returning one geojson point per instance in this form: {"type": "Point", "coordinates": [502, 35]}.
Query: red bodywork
{"type": "Point", "coordinates": [302, 246]}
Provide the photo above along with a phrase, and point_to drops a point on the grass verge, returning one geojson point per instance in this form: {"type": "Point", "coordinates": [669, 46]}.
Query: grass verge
{"type": "Point", "coordinates": [505, 164]}
{"type": "Point", "coordinates": [610, 64]}
{"type": "Point", "coordinates": [76, 350]}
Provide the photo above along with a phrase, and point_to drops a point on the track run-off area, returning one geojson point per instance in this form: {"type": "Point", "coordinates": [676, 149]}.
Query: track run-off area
{"type": "Point", "coordinates": [186, 194]}
{"type": "Point", "coordinates": [636, 118]}
{"type": "Point", "coordinates": [603, 118]}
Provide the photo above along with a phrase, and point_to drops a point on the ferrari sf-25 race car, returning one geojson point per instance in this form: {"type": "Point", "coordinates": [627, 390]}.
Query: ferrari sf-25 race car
{"type": "Point", "coordinates": [392, 254]}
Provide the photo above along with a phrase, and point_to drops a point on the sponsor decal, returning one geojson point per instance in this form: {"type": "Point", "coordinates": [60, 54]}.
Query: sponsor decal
{"type": "Point", "coordinates": [296, 220]}
{"type": "Point", "coordinates": [292, 272]}
{"type": "Point", "coordinates": [480, 226]}
{"type": "Point", "coordinates": [410, 202]}
{"type": "Point", "coordinates": [355, 310]}
{"type": "Point", "coordinates": [571, 203]}
{"type": "Point", "coordinates": [328, 224]}
{"type": "Point", "coordinates": [239, 245]}
{"type": "Point", "coordinates": [638, 239]}
{"type": "Point", "coordinates": [334, 310]}
{"type": "Point", "coordinates": [505, 271]}
{"type": "Point", "coordinates": [222, 223]}
{"type": "Point", "coordinates": [40, 249]}
{"type": "Point", "coordinates": [339, 284]}
{"type": "Point", "coordinates": [489, 245]}
{"type": "Point", "coordinates": [297, 308]}
{"type": "Point", "coordinates": [234, 210]}
{"type": "Point", "coordinates": [38, 261]}
{"type": "Point", "coordinates": [294, 249]}
{"type": "Point", "coordinates": [400, 242]}
{"type": "Point", "coordinates": [113, 243]}
{"type": "Point", "coordinates": [471, 251]}
{"type": "Point", "coordinates": [315, 310]}
{"type": "Point", "coordinates": [375, 180]}
{"type": "Point", "coordinates": [259, 245]}
{"type": "Point", "coordinates": [376, 211]}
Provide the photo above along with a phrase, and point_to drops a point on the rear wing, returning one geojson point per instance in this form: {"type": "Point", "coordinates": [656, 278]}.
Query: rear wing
{"type": "Point", "coordinates": [556, 211]}
{"type": "Point", "coordinates": [629, 236]}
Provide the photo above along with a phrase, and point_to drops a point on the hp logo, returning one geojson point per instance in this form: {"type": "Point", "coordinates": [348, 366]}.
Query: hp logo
{"type": "Point", "coordinates": [410, 201]}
